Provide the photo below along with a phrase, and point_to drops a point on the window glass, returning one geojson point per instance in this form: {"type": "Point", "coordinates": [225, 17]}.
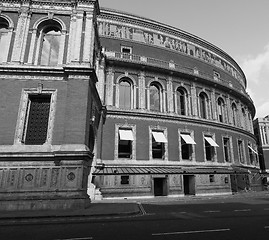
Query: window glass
{"type": "Point", "coordinates": [154, 98]}
{"type": "Point", "coordinates": [158, 144]}
{"type": "Point", "coordinates": [125, 180]}
{"type": "Point", "coordinates": [203, 109]}
{"type": "Point", "coordinates": [125, 94]}
{"type": "Point", "coordinates": [220, 110]}
{"type": "Point", "coordinates": [50, 48]}
{"type": "Point", "coordinates": [227, 149]}
{"type": "Point", "coordinates": [125, 145]}
{"type": "Point", "coordinates": [3, 36]}
{"type": "Point", "coordinates": [234, 114]}
{"type": "Point", "coordinates": [240, 151]}
{"type": "Point", "coordinates": [181, 102]}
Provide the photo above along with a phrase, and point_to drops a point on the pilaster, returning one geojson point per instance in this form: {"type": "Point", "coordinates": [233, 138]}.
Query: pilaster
{"type": "Point", "coordinates": [109, 87]}
{"type": "Point", "coordinates": [194, 100]}
{"type": "Point", "coordinates": [21, 35]}
{"type": "Point", "coordinates": [141, 90]}
{"type": "Point", "coordinates": [170, 104]}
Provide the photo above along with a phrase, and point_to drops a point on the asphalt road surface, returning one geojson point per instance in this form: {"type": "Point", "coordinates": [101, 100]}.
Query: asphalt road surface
{"type": "Point", "coordinates": [246, 219]}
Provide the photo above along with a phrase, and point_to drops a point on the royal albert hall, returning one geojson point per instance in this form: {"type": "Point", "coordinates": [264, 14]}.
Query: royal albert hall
{"type": "Point", "coordinates": [179, 119]}
{"type": "Point", "coordinates": [97, 103]}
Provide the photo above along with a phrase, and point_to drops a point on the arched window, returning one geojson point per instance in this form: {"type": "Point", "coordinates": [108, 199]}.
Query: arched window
{"type": "Point", "coordinates": [125, 94]}
{"type": "Point", "coordinates": [155, 97]}
{"type": "Point", "coordinates": [50, 46]}
{"type": "Point", "coordinates": [4, 43]}
{"type": "Point", "coordinates": [203, 105]}
{"type": "Point", "coordinates": [234, 114]}
{"type": "Point", "coordinates": [244, 122]}
{"type": "Point", "coordinates": [47, 44]}
{"type": "Point", "coordinates": [221, 110]}
{"type": "Point", "coordinates": [181, 101]}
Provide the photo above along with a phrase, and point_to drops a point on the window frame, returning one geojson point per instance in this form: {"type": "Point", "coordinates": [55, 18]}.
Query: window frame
{"type": "Point", "coordinates": [131, 93]}
{"type": "Point", "coordinates": [23, 115]}
{"type": "Point", "coordinates": [125, 179]}
{"type": "Point", "coordinates": [190, 146]}
{"type": "Point", "coordinates": [203, 105]}
{"type": "Point", "coordinates": [159, 91]}
{"type": "Point", "coordinates": [6, 38]}
{"type": "Point", "coordinates": [181, 101]}
{"type": "Point", "coordinates": [163, 145]}
{"type": "Point", "coordinates": [132, 128]}
{"type": "Point", "coordinates": [207, 147]}
{"type": "Point", "coordinates": [230, 149]}
{"type": "Point", "coordinates": [241, 151]}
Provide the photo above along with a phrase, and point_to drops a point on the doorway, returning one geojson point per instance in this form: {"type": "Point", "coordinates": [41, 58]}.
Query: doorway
{"type": "Point", "coordinates": [160, 186]}
{"type": "Point", "coordinates": [189, 184]}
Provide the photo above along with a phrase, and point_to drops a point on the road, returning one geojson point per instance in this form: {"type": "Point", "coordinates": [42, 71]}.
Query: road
{"type": "Point", "coordinates": [219, 219]}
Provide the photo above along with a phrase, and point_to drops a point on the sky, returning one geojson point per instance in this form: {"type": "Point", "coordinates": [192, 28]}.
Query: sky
{"type": "Point", "coordinates": [238, 27]}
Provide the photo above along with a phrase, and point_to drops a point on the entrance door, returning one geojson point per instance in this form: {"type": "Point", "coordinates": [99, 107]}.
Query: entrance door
{"type": "Point", "coordinates": [189, 184]}
{"type": "Point", "coordinates": [160, 186]}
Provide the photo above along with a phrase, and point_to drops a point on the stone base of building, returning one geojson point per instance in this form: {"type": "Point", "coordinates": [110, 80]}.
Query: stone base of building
{"type": "Point", "coordinates": [44, 204]}
{"type": "Point", "coordinates": [40, 181]}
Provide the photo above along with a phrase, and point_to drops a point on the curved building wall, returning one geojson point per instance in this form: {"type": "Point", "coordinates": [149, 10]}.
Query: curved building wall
{"type": "Point", "coordinates": [174, 102]}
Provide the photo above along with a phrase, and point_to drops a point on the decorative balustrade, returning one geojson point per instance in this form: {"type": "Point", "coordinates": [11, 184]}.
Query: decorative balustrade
{"type": "Point", "coordinates": [174, 67]}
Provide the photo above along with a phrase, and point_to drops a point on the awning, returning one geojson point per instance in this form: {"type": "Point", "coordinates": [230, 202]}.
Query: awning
{"type": "Point", "coordinates": [252, 150]}
{"type": "Point", "coordinates": [159, 137]}
{"type": "Point", "coordinates": [153, 170]}
{"type": "Point", "coordinates": [211, 141]}
{"type": "Point", "coordinates": [126, 134]}
{"type": "Point", "coordinates": [187, 138]}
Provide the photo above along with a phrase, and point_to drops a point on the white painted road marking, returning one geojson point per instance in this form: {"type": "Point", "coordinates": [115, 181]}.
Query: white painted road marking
{"type": "Point", "coordinates": [142, 208]}
{"type": "Point", "coordinates": [83, 238]}
{"type": "Point", "coordinates": [242, 210]}
{"type": "Point", "coordinates": [212, 211]}
{"type": "Point", "coordinates": [191, 232]}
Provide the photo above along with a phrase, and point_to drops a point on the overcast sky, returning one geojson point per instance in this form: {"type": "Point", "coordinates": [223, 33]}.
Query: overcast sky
{"type": "Point", "coordinates": [239, 27]}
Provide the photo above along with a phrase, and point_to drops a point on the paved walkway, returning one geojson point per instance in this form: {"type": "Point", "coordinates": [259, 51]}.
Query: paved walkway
{"type": "Point", "coordinates": [113, 208]}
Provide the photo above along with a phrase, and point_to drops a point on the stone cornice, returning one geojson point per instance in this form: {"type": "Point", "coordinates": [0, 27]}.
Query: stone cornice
{"type": "Point", "coordinates": [164, 117]}
{"type": "Point", "coordinates": [148, 23]}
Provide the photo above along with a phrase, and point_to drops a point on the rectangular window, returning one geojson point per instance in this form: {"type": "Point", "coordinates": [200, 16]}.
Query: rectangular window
{"type": "Point", "coordinates": [126, 52]}
{"type": "Point", "coordinates": [240, 151]}
{"type": "Point", "coordinates": [186, 146]}
{"type": "Point", "coordinates": [158, 144]}
{"type": "Point", "coordinates": [209, 146]}
{"type": "Point", "coordinates": [124, 180]}
{"type": "Point", "coordinates": [126, 139]}
{"type": "Point", "coordinates": [216, 75]}
{"type": "Point", "coordinates": [212, 178]}
{"type": "Point", "coordinates": [37, 118]}
{"type": "Point", "coordinates": [227, 149]}
{"type": "Point", "coordinates": [253, 154]}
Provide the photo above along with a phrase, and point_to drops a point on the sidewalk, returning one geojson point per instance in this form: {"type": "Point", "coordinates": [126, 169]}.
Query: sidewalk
{"type": "Point", "coordinates": [114, 208]}
{"type": "Point", "coordinates": [96, 210]}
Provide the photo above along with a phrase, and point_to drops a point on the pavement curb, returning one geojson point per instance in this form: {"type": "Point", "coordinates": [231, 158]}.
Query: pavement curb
{"type": "Point", "coordinates": [66, 218]}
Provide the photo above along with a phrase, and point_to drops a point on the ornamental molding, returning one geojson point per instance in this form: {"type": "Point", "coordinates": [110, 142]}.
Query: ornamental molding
{"type": "Point", "coordinates": [150, 33]}
{"type": "Point", "coordinates": [173, 118]}
{"type": "Point", "coordinates": [31, 77]}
